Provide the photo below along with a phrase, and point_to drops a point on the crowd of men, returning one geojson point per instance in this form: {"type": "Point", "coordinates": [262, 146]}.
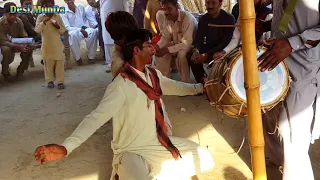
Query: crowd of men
{"type": "Point", "coordinates": [181, 39]}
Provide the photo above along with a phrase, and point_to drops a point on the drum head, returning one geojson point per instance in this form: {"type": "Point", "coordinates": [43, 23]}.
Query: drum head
{"type": "Point", "coordinates": [273, 84]}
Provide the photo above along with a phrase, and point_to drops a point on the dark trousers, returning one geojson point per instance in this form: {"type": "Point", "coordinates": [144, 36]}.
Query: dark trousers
{"type": "Point", "coordinates": [197, 68]}
{"type": "Point", "coordinates": [8, 57]}
{"type": "Point", "coordinates": [101, 43]}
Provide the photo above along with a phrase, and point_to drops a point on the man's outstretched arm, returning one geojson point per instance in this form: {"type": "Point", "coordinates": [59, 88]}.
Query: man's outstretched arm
{"type": "Point", "coordinates": [109, 106]}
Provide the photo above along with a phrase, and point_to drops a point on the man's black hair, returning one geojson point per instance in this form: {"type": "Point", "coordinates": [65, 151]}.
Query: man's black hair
{"type": "Point", "coordinates": [6, 7]}
{"type": "Point", "coordinates": [134, 39]}
{"type": "Point", "coordinates": [119, 24]}
{"type": "Point", "coordinates": [44, 2]}
{"type": "Point", "coordinates": [173, 2]}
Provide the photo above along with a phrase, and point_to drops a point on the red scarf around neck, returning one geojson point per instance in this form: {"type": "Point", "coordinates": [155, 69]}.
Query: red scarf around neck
{"type": "Point", "coordinates": [154, 93]}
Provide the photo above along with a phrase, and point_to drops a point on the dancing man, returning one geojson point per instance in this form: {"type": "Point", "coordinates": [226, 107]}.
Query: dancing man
{"type": "Point", "coordinates": [142, 146]}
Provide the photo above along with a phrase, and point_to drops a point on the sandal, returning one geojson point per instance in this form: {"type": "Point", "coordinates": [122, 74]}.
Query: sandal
{"type": "Point", "coordinates": [61, 86]}
{"type": "Point", "coordinates": [50, 85]}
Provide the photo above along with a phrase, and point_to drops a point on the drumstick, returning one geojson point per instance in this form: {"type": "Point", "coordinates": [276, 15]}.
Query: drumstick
{"type": "Point", "coordinates": [226, 25]}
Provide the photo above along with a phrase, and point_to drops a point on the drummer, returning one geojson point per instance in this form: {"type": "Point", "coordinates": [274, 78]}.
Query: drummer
{"type": "Point", "coordinates": [210, 40]}
{"type": "Point", "coordinates": [299, 121]}
{"type": "Point", "coordinates": [263, 18]}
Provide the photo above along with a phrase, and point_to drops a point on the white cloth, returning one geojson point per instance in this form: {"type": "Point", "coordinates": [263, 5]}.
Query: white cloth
{"type": "Point", "coordinates": [108, 48]}
{"type": "Point", "coordinates": [236, 37]}
{"type": "Point", "coordinates": [106, 7]}
{"type": "Point", "coordinates": [73, 22]}
{"type": "Point", "coordinates": [91, 16]}
{"type": "Point", "coordinates": [134, 128]}
{"type": "Point", "coordinates": [303, 96]}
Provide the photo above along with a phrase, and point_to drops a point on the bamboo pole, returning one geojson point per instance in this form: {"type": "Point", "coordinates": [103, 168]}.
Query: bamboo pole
{"type": "Point", "coordinates": [252, 86]}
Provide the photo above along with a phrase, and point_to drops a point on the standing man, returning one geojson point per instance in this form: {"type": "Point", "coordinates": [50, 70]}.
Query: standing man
{"type": "Point", "coordinates": [297, 44]}
{"type": "Point", "coordinates": [12, 27]}
{"type": "Point", "coordinates": [177, 36]}
{"type": "Point", "coordinates": [210, 40]}
{"type": "Point", "coordinates": [106, 7]}
{"type": "Point", "coordinates": [94, 20]}
{"type": "Point", "coordinates": [75, 21]}
{"type": "Point", "coordinates": [143, 149]}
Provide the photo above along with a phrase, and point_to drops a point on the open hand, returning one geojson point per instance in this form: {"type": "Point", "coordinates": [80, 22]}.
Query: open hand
{"type": "Point", "coordinates": [50, 152]}
{"type": "Point", "coordinates": [279, 50]}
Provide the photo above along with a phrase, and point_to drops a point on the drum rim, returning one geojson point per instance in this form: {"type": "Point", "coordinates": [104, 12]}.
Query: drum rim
{"type": "Point", "coordinates": [266, 105]}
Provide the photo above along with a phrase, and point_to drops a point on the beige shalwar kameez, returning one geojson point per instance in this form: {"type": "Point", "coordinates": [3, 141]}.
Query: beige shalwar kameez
{"type": "Point", "coordinates": [52, 47]}
{"type": "Point", "coordinates": [178, 37]}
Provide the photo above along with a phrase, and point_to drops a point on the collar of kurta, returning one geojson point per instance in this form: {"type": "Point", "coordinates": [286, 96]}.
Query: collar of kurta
{"type": "Point", "coordinates": [69, 10]}
{"type": "Point", "coordinates": [179, 16]}
{"type": "Point", "coordinates": [5, 20]}
{"type": "Point", "coordinates": [142, 74]}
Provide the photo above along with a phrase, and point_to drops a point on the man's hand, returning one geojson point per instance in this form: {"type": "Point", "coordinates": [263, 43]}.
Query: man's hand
{"type": "Point", "coordinates": [46, 19]}
{"type": "Point", "coordinates": [218, 55]}
{"type": "Point", "coordinates": [55, 24]}
{"type": "Point", "coordinates": [84, 32]}
{"type": "Point", "coordinates": [50, 152]}
{"type": "Point", "coordinates": [279, 50]}
{"type": "Point", "coordinates": [195, 56]}
{"type": "Point", "coordinates": [202, 58]}
{"type": "Point", "coordinates": [22, 48]}
{"type": "Point", "coordinates": [162, 52]}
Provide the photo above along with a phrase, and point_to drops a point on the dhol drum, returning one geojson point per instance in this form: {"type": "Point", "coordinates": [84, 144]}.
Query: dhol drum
{"type": "Point", "coordinates": [225, 85]}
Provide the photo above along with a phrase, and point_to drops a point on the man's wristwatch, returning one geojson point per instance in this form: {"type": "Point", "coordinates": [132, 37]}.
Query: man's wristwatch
{"type": "Point", "coordinates": [84, 27]}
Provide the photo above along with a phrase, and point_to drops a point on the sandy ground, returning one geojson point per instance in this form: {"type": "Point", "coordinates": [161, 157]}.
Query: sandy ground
{"type": "Point", "coordinates": [32, 115]}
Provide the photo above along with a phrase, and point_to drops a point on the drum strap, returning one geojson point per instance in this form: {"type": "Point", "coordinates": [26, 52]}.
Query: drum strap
{"type": "Point", "coordinates": [288, 15]}
{"type": "Point", "coordinates": [288, 116]}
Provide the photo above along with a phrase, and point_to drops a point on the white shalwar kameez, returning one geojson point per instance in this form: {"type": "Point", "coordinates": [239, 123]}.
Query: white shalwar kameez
{"type": "Point", "coordinates": [73, 22]}
{"type": "Point", "coordinates": [107, 7]}
{"type": "Point", "coordinates": [138, 154]}
{"type": "Point", "coordinates": [303, 96]}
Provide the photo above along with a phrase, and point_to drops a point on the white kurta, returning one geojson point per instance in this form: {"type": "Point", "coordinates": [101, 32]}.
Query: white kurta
{"type": "Point", "coordinates": [107, 7]}
{"type": "Point", "coordinates": [73, 22]}
{"type": "Point", "coordinates": [134, 129]}
{"type": "Point", "coordinates": [91, 16]}
{"type": "Point", "coordinates": [236, 37]}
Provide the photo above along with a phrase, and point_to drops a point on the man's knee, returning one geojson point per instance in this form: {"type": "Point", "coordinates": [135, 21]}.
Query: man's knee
{"type": "Point", "coordinates": [182, 54]}
{"type": "Point", "coordinates": [8, 54]}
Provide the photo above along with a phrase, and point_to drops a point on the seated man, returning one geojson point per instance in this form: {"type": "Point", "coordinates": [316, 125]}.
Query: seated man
{"type": "Point", "coordinates": [75, 21]}
{"type": "Point", "coordinates": [143, 149]}
{"type": "Point", "coordinates": [210, 40]}
{"type": "Point", "coordinates": [12, 27]}
{"type": "Point", "coordinates": [29, 23]}
{"type": "Point", "coordinates": [177, 36]}
{"type": "Point", "coordinates": [263, 25]}
{"type": "Point", "coordinates": [94, 20]}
